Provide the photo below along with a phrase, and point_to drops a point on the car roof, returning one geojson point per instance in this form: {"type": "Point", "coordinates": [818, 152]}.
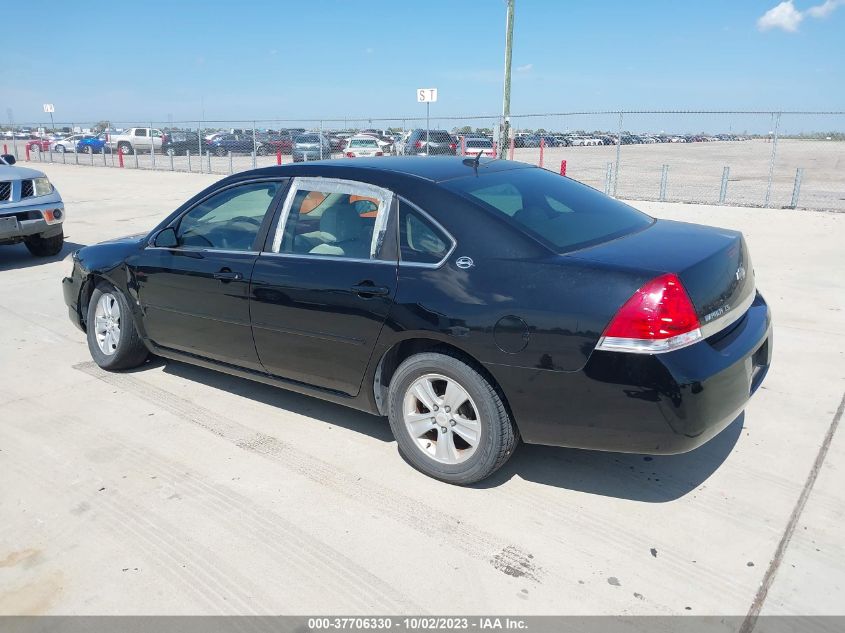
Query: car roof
{"type": "Point", "coordinates": [432, 168]}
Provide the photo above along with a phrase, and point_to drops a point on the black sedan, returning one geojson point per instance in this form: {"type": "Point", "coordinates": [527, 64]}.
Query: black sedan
{"type": "Point", "coordinates": [473, 304]}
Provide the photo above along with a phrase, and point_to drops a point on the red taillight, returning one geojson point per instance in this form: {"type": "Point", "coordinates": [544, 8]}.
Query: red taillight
{"type": "Point", "coordinates": [418, 144]}
{"type": "Point", "coordinates": [659, 318]}
{"type": "Point", "coordinates": [350, 155]}
{"type": "Point", "coordinates": [379, 153]}
{"type": "Point", "coordinates": [453, 147]}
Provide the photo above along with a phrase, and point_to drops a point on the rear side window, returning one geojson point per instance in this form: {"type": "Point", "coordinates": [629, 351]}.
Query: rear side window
{"type": "Point", "coordinates": [562, 213]}
{"type": "Point", "coordinates": [420, 241]}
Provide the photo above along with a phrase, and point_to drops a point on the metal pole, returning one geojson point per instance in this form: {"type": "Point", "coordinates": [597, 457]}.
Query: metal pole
{"type": "Point", "coordinates": [664, 177]}
{"type": "Point", "coordinates": [152, 147]}
{"type": "Point", "coordinates": [208, 158]}
{"type": "Point", "coordinates": [321, 139]}
{"type": "Point", "coordinates": [608, 177]}
{"type": "Point", "coordinates": [199, 144]}
{"type": "Point", "coordinates": [506, 96]}
{"type": "Point", "coordinates": [772, 161]}
{"type": "Point", "coordinates": [427, 109]}
{"type": "Point", "coordinates": [254, 149]}
{"type": "Point", "coordinates": [188, 154]}
{"type": "Point", "coordinates": [723, 191]}
{"type": "Point", "coordinates": [231, 170]}
{"type": "Point", "coordinates": [171, 159]}
{"type": "Point", "coordinates": [618, 149]}
{"type": "Point", "coordinates": [796, 189]}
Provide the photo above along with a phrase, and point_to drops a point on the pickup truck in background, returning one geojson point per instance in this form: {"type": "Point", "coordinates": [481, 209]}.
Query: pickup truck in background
{"type": "Point", "coordinates": [137, 139]}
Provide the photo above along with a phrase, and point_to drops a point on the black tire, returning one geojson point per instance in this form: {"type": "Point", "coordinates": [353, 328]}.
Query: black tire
{"type": "Point", "coordinates": [126, 147]}
{"type": "Point", "coordinates": [220, 151]}
{"type": "Point", "coordinates": [171, 151]}
{"type": "Point", "coordinates": [499, 435]}
{"type": "Point", "coordinates": [87, 149]}
{"type": "Point", "coordinates": [130, 351]}
{"type": "Point", "coordinates": [60, 149]}
{"type": "Point", "coordinates": [45, 246]}
{"type": "Point", "coordinates": [261, 150]}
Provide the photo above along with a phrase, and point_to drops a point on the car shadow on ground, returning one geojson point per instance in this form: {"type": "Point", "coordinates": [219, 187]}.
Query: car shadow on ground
{"type": "Point", "coordinates": [646, 478]}
{"type": "Point", "coordinates": [16, 256]}
{"type": "Point", "coordinates": [322, 411]}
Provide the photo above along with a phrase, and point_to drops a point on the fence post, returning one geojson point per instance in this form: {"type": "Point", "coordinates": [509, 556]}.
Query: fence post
{"type": "Point", "coordinates": [463, 145]}
{"type": "Point", "coordinates": [723, 191]}
{"type": "Point", "coordinates": [64, 157]}
{"type": "Point", "coordinates": [772, 161]}
{"type": "Point", "coordinates": [208, 159]}
{"type": "Point", "coordinates": [254, 150]}
{"type": "Point", "coordinates": [618, 150]}
{"type": "Point", "coordinates": [27, 152]}
{"type": "Point", "coordinates": [510, 150]}
{"type": "Point", "coordinates": [321, 139]}
{"type": "Point", "coordinates": [171, 159]}
{"type": "Point", "coordinates": [542, 148]}
{"type": "Point", "coordinates": [199, 144]}
{"type": "Point", "coordinates": [92, 156]}
{"type": "Point", "coordinates": [664, 177]}
{"type": "Point", "coordinates": [796, 188]}
{"type": "Point", "coordinates": [279, 155]}
{"type": "Point", "coordinates": [135, 154]}
{"type": "Point", "coordinates": [120, 156]}
{"type": "Point", "coordinates": [231, 170]}
{"type": "Point", "coordinates": [608, 177]}
{"type": "Point", "coordinates": [188, 154]}
{"type": "Point", "coordinates": [152, 147]}
{"type": "Point", "coordinates": [105, 164]}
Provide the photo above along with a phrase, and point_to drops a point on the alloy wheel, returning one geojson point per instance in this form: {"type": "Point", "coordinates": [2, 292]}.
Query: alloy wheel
{"type": "Point", "coordinates": [442, 419]}
{"type": "Point", "coordinates": [107, 323]}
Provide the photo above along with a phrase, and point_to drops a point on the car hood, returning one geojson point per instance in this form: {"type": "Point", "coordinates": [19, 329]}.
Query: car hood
{"type": "Point", "coordinates": [13, 172]}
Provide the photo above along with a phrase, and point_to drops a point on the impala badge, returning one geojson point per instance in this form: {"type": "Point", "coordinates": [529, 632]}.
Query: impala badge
{"type": "Point", "coordinates": [464, 262]}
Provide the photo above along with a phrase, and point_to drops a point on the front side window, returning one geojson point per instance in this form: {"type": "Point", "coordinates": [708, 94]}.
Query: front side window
{"type": "Point", "coordinates": [334, 219]}
{"type": "Point", "coordinates": [140, 131]}
{"type": "Point", "coordinates": [420, 241]}
{"type": "Point", "coordinates": [228, 220]}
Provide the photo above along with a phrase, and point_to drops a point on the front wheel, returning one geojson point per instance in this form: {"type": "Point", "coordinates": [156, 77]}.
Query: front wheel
{"type": "Point", "coordinates": [45, 246]}
{"type": "Point", "coordinates": [113, 341]}
{"type": "Point", "coordinates": [448, 419]}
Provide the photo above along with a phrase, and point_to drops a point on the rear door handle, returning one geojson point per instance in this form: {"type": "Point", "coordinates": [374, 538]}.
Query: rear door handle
{"type": "Point", "coordinates": [370, 289]}
{"type": "Point", "coordinates": [228, 275]}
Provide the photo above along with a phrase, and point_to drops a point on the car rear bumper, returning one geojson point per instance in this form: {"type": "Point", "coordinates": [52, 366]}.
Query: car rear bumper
{"type": "Point", "coordinates": [638, 403]}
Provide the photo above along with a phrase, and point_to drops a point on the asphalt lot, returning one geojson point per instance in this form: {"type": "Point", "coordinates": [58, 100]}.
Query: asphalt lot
{"type": "Point", "coordinates": [178, 490]}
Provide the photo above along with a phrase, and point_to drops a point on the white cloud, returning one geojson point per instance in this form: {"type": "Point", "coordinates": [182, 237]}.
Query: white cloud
{"type": "Point", "coordinates": [824, 10]}
{"type": "Point", "coordinates": [525, 68]}
{"type": "Point", "coordinates": [784, 16]}
{"type": "Point", "coordinates": [787, 18]}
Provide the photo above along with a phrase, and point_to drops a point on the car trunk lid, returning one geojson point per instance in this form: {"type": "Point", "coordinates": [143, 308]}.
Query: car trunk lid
{"type": "Point", "coordinates": [713, 265]}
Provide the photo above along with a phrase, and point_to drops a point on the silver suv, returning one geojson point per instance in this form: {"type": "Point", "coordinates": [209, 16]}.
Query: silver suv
{"type": "Point", "coordinates": [31, 210]}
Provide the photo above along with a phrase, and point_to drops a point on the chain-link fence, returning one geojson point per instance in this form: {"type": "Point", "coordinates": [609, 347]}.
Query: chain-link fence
{"type": "Point", "coordinates": [767, 159]}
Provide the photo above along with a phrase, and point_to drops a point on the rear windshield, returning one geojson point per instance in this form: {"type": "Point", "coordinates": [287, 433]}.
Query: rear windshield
{"type": "Point", "coordinates": [307, 138]}
{"type": "Point", "coordinates": [562, 213]}
{"type": "Point", "coordinates": [437, 136]}
{"type": "Point", "coordinates": [478, 143]}
{"type": "Point", "coordinates": [363, 142]}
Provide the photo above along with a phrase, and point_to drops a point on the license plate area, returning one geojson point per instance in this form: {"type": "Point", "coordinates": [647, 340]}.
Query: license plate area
{"type": "Point", "coordinates": [8, 225]}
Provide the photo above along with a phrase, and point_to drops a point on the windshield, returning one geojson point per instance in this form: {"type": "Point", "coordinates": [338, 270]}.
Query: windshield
{"type": "Point", "coordinates": [562, 213]}
{"type": "Point", "coordinates": [363, 142]}
{"type": "Point", "coordinates": [479, 143]}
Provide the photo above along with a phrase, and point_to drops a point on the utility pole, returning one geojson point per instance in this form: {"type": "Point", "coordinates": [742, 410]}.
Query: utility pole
{"type": "Point", "coordinates": [504, 137]}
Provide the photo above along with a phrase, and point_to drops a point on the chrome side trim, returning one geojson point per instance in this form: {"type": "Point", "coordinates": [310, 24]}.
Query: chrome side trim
{"type": "Point", "coordinates": [337, 258]}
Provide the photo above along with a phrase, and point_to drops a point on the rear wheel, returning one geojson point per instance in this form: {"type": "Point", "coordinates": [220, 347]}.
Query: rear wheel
{"type": "Point", "coordinates": [261, 150]}
{"type": "Point", "coordinates": [113, 341]}
{"type": "Point", "coordinates": [45, 246]}
{"type": "Point", "coordinates": [86, 149]}
{"type": "Point", "coordinates": [60, 149]}
{"type": "Point", "coordinates": [125, 148]}
{"type": "Point", "coordinates": [448, 420]}
{"type": "Point", "coordinates": [171, 151]}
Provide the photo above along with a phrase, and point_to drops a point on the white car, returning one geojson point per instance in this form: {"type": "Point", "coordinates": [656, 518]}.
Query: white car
{"type": "Point", "coordinates": [360, 146]}
{"type": "Point", "coordinates": [473, 145]}
{"type": "Point", "coordinates": [67, 144]}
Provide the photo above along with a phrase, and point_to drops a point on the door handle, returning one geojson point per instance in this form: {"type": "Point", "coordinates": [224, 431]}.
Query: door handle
{"type": "Point", "coordinates": [370, 289]}
{"type": "Point", "coordinates": [228, 275]}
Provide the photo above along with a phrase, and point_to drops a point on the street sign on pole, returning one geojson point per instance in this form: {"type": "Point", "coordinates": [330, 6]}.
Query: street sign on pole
{"type": "Point", "coordinates": [427, 96]}
{"type": "Point", "coordinates": [48, 107]}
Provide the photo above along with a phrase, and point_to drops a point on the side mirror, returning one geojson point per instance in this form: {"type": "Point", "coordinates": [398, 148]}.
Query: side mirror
{"type": "Point", "coordinates": [9, 159]}
{"type": "Point", "coordinates": [166, 238]}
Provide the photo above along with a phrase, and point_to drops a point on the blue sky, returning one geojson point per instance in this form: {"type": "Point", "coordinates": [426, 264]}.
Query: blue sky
{"type": "Point", "coordinates": [159, 60]}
